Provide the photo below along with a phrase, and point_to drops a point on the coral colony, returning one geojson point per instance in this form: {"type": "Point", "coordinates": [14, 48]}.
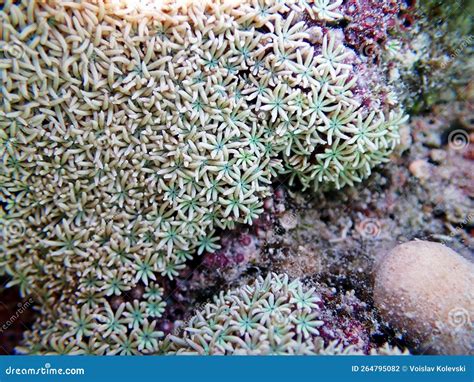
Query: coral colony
{"type": "Point", "coordinates": [131, 135]}
{"type": "Point", "coordinates": [272, 316]}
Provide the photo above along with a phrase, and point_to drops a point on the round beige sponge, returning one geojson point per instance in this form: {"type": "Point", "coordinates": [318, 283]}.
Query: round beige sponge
{"type": "Point", "coordinates": [426, 291]}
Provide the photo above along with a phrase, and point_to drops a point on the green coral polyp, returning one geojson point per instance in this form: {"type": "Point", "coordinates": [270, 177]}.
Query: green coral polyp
{"type": "Point", "coordinates": [130, 135]}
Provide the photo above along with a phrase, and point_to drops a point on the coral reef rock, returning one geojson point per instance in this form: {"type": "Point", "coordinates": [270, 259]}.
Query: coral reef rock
{"type": "Point", "coordinates": [427, 290]}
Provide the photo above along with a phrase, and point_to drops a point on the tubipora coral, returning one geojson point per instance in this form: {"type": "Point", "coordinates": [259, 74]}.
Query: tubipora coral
{"type": "Point", "coordinates": [271, 316]}
{"type": "Point", "coordinates": [129, 134]}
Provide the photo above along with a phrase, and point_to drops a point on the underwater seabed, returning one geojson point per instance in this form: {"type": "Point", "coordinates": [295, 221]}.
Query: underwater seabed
{"type": "Point", "coordinates": [236, 177]}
